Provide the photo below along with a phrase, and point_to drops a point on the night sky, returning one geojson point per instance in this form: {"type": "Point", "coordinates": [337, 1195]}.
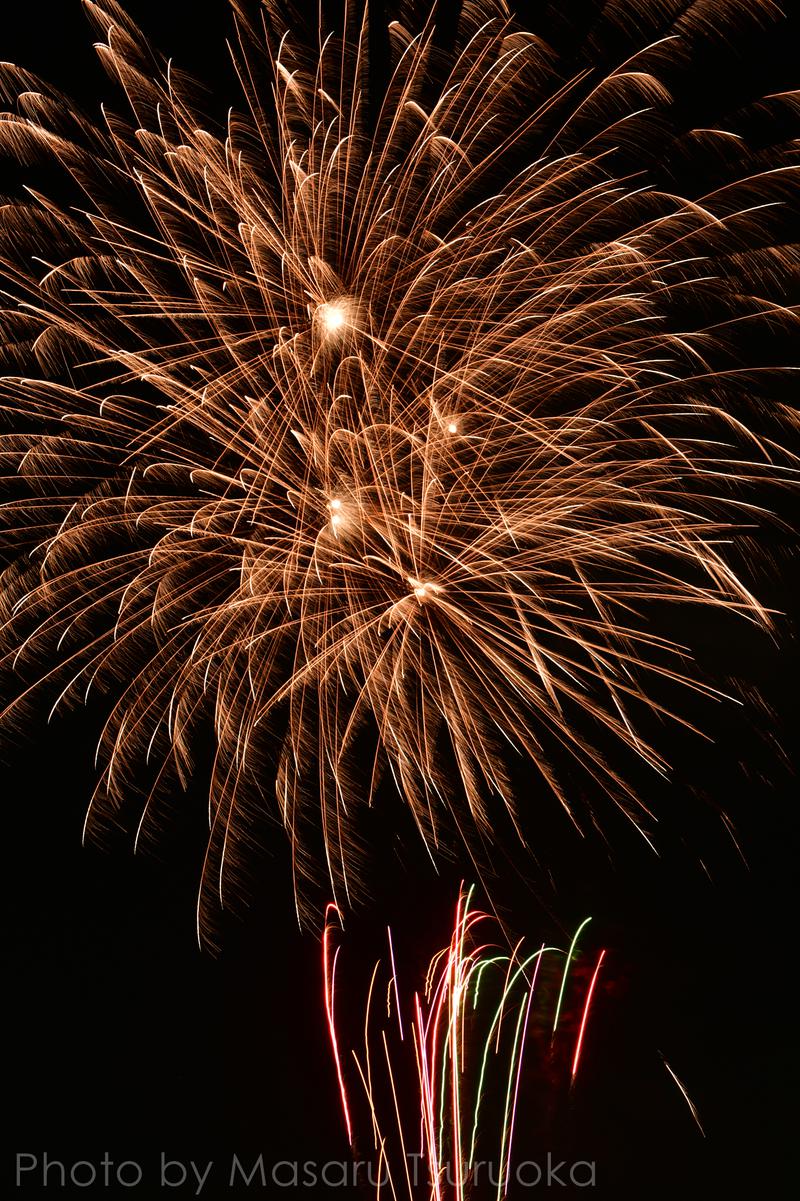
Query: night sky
{"type": "Point", "coordinates": [123, 1037]}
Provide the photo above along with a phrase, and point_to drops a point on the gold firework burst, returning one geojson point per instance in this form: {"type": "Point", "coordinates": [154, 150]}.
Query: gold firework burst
{"type": "Point", "coordinates": [374, 430]}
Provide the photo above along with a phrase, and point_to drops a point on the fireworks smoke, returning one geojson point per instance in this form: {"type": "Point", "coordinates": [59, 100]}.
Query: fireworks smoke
{"type": "Point", "coordinates": [374, 432]}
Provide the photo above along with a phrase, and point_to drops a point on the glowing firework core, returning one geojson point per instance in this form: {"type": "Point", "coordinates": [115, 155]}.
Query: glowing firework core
{"type": "Point", "coordinates": [337, 516]}
{"type": "Point", "coordinates": [333, 318]}
{"type": "Point", "coordinates": [423, 589]}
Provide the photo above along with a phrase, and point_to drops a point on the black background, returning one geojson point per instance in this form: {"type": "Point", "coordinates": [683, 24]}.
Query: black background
{"type": "Point", "coordinates": [123, 1036]}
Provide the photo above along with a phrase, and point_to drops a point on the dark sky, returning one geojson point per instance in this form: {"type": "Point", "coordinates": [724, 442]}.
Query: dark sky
{"type": "Point", "coordinates": [123, 1037]}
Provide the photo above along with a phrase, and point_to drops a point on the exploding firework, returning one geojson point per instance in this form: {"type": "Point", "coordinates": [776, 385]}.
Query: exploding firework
{"type": "Point", "coordinates": [465, 1037]}
{"type": "Point", "coordinates": [370, 436]}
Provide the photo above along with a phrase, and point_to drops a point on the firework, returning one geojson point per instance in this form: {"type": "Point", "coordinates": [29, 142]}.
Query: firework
{"type": "Point", "coordinates": [466, 1036]}
{"type": "Point", "coordinates": [372, 433]}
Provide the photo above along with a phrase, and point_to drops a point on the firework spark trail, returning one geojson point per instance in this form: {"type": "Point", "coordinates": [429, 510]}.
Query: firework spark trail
{"type": "Point", "coordinates": [329, 975]}
{"type": "Point", "coordinates": [585, 1017]}
{"type": "Point", "coordinates": [469, 1038]}
{"type": "Point", "coordinates": [371, 432]}
{"type": "Point", "coordinates": [686, 1097]}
